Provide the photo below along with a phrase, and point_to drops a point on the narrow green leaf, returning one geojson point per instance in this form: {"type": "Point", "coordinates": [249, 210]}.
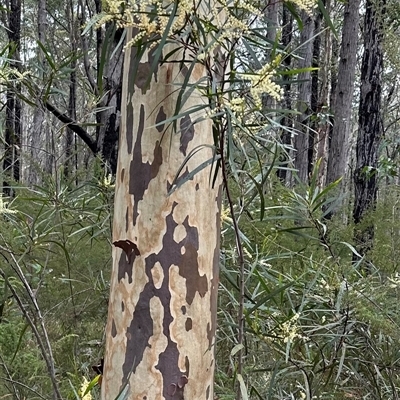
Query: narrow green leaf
{"type": "Point", "coordinates": [161, 45]}
{"type": "Point", "coordinates": [49, 59]}
{"type": "Point", "coordinates": [237, 348]}
{"type": "Point", "coordinates": [327, 18]}
{"type": "Point", "coordinates": [21, 336]}
{"type": "Point", "coordinates": [243, 388]}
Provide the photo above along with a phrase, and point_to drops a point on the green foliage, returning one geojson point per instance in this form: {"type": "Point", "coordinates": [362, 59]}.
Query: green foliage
{"type": "Point", "coordinates": [316, 325]}
{"type": "Point", "coordinates": [55, 246]}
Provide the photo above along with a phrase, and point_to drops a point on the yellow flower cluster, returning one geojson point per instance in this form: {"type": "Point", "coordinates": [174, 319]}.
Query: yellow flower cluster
{"type": "Point", "coordinates": [4, 207]}
{"type": "Point", "coordinates": [83, 389]}
{"type": "Point", "coordinates": [289, 329]}
{"type": "Point", "coordinates": [237, 105]}
{"type": "Point", "coordinates": [261, 82]}
{"type": "Point", "coordinates": [107, 182]}
{"type": "Point", "coordinates": [150, 17]}
{"type": "Point", "coordinates": [306, 5]}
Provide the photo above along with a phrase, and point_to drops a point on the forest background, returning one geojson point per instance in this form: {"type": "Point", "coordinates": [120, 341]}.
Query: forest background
{"type": "Point", "coordinates": [308, 267]}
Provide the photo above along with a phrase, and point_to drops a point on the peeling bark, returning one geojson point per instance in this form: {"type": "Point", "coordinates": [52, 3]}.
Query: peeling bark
{"type": "Point", "coordinates": [162, 310]}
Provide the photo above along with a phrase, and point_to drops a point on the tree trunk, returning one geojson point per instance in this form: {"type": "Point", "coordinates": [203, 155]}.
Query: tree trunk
{"type": "Point", "coordinates": [70, 136]}
{"type": "Point", "coordinates": [315, 95]}
{"type": "Point", "coordinates": [370, 124]}
{"type": "Point", "coordinates": [321, 148]}
{"type": "Point", "coordinates": [35, 136]}
{"type": "Point", "coordinates": [109, 117]}
{"type": "Point", "coordinates": [287, 33]}
{"type": "Point", "coordinates": [338, 151]}
{"type": "Point", "coordinates": [162, 309]}
{"type": "Point", "coordinates": [13, 129]}
{"type": "Point", "coordinates": [301, 141]}
{"type": "Point", "coordinates": [269, 103]}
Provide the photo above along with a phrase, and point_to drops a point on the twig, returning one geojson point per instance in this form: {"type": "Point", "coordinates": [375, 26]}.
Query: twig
{"type": "Point", "coordinates": [239, 248]}
{"type": "Point", "coordinates": [47, 354]}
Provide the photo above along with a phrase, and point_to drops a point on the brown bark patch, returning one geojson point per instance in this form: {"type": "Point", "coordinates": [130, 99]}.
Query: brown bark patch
{"type": "Point", "coordinates": [161, 116]}
{"type": "Point", "coordinates": [113, 329]}
{"type": "Point", "coordinates": [142, 173]}
{"type": "Point", "coordinates": [188, 324]}
{"type": "Point", "coordinates": [187, 133]}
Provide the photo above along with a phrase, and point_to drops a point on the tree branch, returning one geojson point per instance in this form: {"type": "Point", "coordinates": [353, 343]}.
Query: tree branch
{"type": "Point", "coordinates": [73, 125]}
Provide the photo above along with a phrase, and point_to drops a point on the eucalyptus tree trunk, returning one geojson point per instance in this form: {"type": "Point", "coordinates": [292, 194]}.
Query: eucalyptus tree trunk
{"type": "Point", "coordinates": [110, 87]}
{"type": "Point", "coordinates": [13, 129]}
{"type": "Point", "coordinates": [272, 14]}
{"type": "Point", "coordinates": [301, 141]}
{"type": "Point", "coordinates": [315, 91]}
{"type": "Point", "coordinates": [287, 122]}
{"type": "Point", "coordinates": [321, 148]}
{"type": "Point", "coordinates": [35, 136]}
{"type": "Point", "coordinates": [338, 151]}
{"type": "Point", "coordinates": [162, 308]}
{"type": "Point", "coordinates": [70, 154]}
{"type": "Point", "coordinates": [370, 124]}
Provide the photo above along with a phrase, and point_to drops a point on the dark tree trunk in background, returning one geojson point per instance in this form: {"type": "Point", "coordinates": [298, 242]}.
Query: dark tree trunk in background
{"type": "Point", "coordinates": [106, 86]}
{"type": "Point", "coordinates": [370, 125]}
{"type": "Point", "coordinates": [272, 15]}
{"type": "Point", "coordinates": [69, 164]}
{"type": "Point", "coordinates": [287, 33]}
{"type": "Point", "coordinates": [338, 152]}
{"type": "Point", "coordinates": [35, 139]}
{"type": "Point", "coordinates": [110, 87]}
{"type": "Point", "coordinates": [12, 145]}
{"type": "Point", "coordinates": [321, 148]}
{"type": "Point", "coordinates": [301, 140]}
{"type": "Point", "coordinates": [315, 106]}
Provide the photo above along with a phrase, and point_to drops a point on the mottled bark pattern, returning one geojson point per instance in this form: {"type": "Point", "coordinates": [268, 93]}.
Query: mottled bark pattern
{"type": "Point", "coordinates": [162, 311]}
{"type": "Point", "coordinates": [370, 123]}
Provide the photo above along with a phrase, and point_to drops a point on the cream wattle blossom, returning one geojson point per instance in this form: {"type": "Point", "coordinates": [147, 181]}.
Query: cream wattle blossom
{"type": "Point", "coordinates": [306, 5]}
{"type": "Point", "coordinates": [261, 82]}
{"type": "Point", "coordinates": [4, 207]}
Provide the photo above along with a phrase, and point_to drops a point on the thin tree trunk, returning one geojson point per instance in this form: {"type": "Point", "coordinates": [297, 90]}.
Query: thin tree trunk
{"type": "Point", "coordinates": [35, 138]}
{"type": "Point", "coordinates": [13, 129]}
{"type": "Point", "coordinates": [338, 151]}
{"type": "Point", "coordinates": [370, 125]}
{"type": "Point", "coordinates": [162, 309]}
{"type": "Point", "coordinates": [301, 140]}
{"type": "Point", "coordinates": [287, 33]}
{"type": "Point", "coordinates": [269, 103]}
{"type": "Point", "coordinates": [315, 100]}
{"type": "Point", "coordinates": [70, 136]}
{"type": "Point", "coordinates": [324, 103]}
{"type": "Point", "coordinates": [109, 117]}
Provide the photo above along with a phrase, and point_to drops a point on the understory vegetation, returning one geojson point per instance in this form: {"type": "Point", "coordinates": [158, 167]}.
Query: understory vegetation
{"type": "Point", "coordinates": [320, 322]}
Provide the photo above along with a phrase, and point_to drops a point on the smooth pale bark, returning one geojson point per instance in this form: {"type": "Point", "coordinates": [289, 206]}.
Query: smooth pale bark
{"type": "Point", "coordinates": [301, 140]}
{"type": "Point", "coordinates": [162, 309]}
{"type": "Point", "coordinates": [338, 152]}
{"type": "Point", "coordinates": [370, 124]}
